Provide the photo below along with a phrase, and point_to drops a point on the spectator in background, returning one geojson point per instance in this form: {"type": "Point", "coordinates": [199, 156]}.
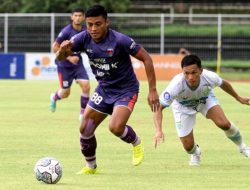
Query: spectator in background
{"type": "Point", "coordinates": [184, 52]}
{"type": "Point", "coordinates": [72, 67]}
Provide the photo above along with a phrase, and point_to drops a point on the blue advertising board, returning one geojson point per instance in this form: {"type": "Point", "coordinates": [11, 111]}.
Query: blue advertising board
{"type": "Point", "coordinates": [12, 66]}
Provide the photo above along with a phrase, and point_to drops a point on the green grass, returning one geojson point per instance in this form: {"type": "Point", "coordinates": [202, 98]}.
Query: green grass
{"type": "Point", "coordinates": [244, 64]}
{"type": "Point", "coordinates": [189, 30]}
{"type": "Point", "coordinates": [30, 131]}
{"type": "Point", "coordinates": [230, 69]}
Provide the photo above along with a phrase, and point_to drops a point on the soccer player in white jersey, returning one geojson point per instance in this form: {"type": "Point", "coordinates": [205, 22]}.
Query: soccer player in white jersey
{"type": "Point", "coordinates": [191, 92]}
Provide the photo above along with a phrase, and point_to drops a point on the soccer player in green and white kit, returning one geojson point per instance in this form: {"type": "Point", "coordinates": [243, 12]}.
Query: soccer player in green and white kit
{"type": "Point", "coordinates": [189, 93]}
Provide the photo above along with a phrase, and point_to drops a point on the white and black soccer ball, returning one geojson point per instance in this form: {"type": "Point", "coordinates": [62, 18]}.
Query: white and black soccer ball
{"type": "Point", "coordinates": [48, 170]}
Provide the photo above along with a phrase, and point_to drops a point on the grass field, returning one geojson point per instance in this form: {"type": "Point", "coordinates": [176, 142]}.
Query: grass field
{"type": "Point", "coordinates": [29, 131]}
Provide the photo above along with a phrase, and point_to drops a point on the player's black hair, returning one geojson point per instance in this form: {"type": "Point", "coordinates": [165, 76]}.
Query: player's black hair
{"type": "Point", "coordinates": [97, 10]}
{"type": "Point", "coordinates": [190, 60]}
{"type": "Point", "coordinates": [78, 10]}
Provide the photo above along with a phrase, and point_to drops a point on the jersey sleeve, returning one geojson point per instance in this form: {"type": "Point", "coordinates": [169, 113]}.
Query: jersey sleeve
{"type": "Point", "coordinates": [213, 78]}
{"type": "Point", "coordinates": [78, 41]}
{"type": "Point", "coordinates": [129, 45]}
{"type": "Point", "coordinates": [63, 35]}
{"type": "Point", "coordinates": [170, 93]}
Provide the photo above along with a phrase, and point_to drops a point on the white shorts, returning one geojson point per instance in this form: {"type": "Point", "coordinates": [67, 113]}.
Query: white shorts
{"type": "Point", "coordinates": [185, 117]}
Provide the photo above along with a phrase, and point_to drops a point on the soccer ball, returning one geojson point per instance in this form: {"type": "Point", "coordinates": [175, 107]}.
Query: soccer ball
{"type": "Point", "coordinates": [48, 170]}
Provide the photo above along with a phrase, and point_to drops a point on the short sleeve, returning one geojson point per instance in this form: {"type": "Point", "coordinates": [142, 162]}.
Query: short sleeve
{"type": "Point", "coordinates": [129, 44]}
{"type": "Point", "coordinates": [213, 79]}
{"type": "Point", "coordinates": [78, 41]}
{"type": "Point", "coordinates": [63, 35]}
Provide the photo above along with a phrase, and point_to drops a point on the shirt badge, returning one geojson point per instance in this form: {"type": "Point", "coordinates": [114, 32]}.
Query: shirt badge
{"type": "Point", "coordinates": [110, 52]}
{"type": "Point", "coordinates": [166, 96]}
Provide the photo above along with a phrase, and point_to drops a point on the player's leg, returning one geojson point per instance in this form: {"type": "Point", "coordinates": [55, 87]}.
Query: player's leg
{"type": "Point", "coordinates": [118, 125]}
{"type": "Point", "coordinates": [84, 98]}
{"type": "Point", "coordinates": [192, 149]}
{"type": "Point", "coordinates": [95, 112]}
{"type": "Point", "coordinates": [184, 124]}
{"type": "Point", "coordinates": [83, 80]}
{"type": "Point", "coordinates": [65, 80]}
{"type": "Point", "coordinates": [217, 115]}
{"type": "Point", "coordinates": [92, 119]}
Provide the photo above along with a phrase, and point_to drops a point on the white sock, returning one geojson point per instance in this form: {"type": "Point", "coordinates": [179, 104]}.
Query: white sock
{"type": "Point", "coordinates": [234, 135]}
{"type": "Point", "coordinates": [137, 141]}
{"type": "Point", "coordinates": [194, 150]}
{"type": "Point", "coordinates": [91, 164]}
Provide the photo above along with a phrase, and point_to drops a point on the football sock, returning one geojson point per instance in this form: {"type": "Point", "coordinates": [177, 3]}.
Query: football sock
{"type": "Point", "coordinates": [194, 150]}
{"type": "Point", "coordinates": [57, 95]}
{"type": "Point", "coordinates": [88, 149]}
{"type": "Point", "coordinates": [84, 100]}
{"type": "Point", "coordinates": [130, 136]}
{"type": "Point", "coordinates": [234, 135]}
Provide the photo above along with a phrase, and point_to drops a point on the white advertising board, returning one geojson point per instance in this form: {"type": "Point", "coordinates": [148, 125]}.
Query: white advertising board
{"type": "Point", "coordinates": [41, 66]}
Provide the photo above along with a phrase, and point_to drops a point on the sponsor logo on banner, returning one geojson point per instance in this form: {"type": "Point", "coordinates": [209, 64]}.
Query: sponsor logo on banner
{"type": "Point", "coordinates": [11, 66]}
{"type": "Point", "coordinates": [40, 66]}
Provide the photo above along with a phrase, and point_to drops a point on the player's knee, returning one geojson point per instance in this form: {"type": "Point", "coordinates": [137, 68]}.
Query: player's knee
{"type": "Point", "coordinates": [86, 88]}
{"type": "Point", "coordinates": [65, 94]}
{"type": "Point", "coordinates": [85, 132]}
{"type": "Point", "coordinates": [87, 128]}
{"type": "Point", "coordinates": [116, 130]}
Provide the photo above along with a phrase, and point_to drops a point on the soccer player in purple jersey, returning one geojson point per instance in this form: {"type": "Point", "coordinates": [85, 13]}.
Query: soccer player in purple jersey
{"type": "Point", "coordinates": [72, 67]}
{"type": "Point", "coordinates": [116, 94]}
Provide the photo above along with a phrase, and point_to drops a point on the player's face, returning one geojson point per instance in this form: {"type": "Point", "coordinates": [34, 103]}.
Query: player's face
{"type": "Point", "coordinates": [192, 75]}
{"type": "Point", "coordinates": [77, 18]}
{"type": "Point", "coordinates": [97, 27]}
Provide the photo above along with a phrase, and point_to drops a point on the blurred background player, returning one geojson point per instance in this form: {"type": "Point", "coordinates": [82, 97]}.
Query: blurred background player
{"type": "Point", "coordinates": [117, 91]}
{"type": "Point", "coordinates": [183, 51]}
{"type": "Point", "coordinates": [189, 93]}
{"type": "Point", "coordinates": [72, 67]}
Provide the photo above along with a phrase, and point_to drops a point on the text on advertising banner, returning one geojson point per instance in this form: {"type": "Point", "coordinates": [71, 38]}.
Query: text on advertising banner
{"type": "Point", "coordinates": [12, 66]}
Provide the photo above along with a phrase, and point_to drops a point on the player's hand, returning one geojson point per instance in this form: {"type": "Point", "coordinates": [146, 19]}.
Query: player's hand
{"type": "Point", "coordinates": [73, 59]}
{"type": "Point", "coordinates": [64, 50]}
{"type": "Point", "coordinates": [153, 100]}
{"type": "Point", "coordinates": [66, 46]}
{"type": "Point", "coordinates": [244, 100]}
{"type": "Point", "coordinates": [158, 138]}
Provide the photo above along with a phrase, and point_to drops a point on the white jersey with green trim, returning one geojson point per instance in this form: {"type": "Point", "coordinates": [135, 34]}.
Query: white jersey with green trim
{"type": "Point", "coordinates": [183, 98]}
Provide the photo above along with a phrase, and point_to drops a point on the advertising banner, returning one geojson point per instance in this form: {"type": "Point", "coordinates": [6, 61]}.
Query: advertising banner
{"type": "Point", "coordinates": [166, 66]}
{"type": "Point", "coordinates": [12, 66]}
{"type": "Point", "coordinates": [41, 66]}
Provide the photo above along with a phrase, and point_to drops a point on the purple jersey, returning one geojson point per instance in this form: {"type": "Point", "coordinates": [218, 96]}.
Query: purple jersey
{"type": "Point", "coordinates": [66, 33]}
{"type": "Point", "coordinates": [110, 60]}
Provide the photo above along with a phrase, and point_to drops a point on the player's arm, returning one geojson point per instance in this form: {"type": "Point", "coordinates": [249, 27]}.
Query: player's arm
{"type": "Point", "coordinates": [55, 46]}
{"type": "Point", "coordinates": [153, 98]}
{"type": "Point", "coordinates": [159, 135]}
{"type": "Point", "coordinates": [227, 87]}
{"type": "Point", "coordinates": [64, 50]}
{"type": "Point", "coordinates": [71, 59]}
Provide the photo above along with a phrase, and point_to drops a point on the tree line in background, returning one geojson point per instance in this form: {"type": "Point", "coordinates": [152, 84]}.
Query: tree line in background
{"type": "Point", "coordinates": [59, 6]}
